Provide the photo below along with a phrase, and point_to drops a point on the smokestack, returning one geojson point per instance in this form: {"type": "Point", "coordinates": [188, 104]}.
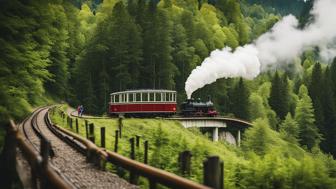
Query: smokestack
{"type": "Point", "coordinates": [280, 45]}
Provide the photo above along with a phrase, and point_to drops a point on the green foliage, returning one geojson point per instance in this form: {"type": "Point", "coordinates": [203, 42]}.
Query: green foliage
{"type": "Point", "coordinates": [304, 116]}
{"type": "Point", "coordinates": [259, 139]}
{"type": "Point", "coordinates": [239, 100]}
{"type": "Point", "coordinates": [279, 96]}
{"type": "Point", "coordinates": [256, 107]}
{"type": "Point", "coordinates": [289, 129]}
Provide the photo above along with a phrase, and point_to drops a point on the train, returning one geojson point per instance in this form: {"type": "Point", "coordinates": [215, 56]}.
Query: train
{"type": "Point", "coordinates": [157, 103]}
{"type": "Point", "coordinates": [197, 108]}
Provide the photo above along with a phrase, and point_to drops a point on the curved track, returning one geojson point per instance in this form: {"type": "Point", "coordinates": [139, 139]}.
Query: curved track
{"type": "Point", "coordinates": [68, 162]}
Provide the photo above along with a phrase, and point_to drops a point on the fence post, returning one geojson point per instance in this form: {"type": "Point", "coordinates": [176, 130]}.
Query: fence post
{"type": "Point", "coordinates": [212, 172]}
{"type": "Point", "coordinates": [133, 177]}
{"type": "Point", "coordinates": [70, 119]}
{"type": "Point", "coordinates": [120, 124]}
{"type": "Point", "coordinates": [222, 175]}
{"type": "Point", "coordinates": [116, 141]}
{"type": "Point", "coordinates": [102, 137]}
{"type": "Point", "coordinates": [185, 162]}
{"type": "Point", "coordinates": [91, 133]}
{"type": "Point", "coordinates": [132, 154]}
{"type": "Point", "coordinates": [76, 125]}
{"type": "Point", "coordinates": [8, 157]}
{"type": "Point", "coordinates": [137, 139]}
{"type": "Point", "coordinates": [44, 151]}
{"type": "Point", "coordinates": [87, 129]}
{"type": "Point", "coordinates": [146, 152]}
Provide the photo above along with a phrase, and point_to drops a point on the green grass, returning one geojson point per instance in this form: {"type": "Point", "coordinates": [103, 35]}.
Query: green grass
{"type": "Point", "coordinates": [166, 140]}
{"type": "Point", "coordinates": [281, 163]}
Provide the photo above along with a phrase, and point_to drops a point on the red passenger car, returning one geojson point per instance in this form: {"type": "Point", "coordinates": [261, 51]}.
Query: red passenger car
{"type": "Point", "coordinates": [143, 103]}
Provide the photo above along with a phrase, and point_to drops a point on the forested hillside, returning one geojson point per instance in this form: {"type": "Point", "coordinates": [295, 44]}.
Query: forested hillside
{"type": "Point", "coordinates": [81, 51]}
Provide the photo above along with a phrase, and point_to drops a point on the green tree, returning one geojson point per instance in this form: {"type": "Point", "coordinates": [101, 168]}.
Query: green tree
{"type": "Point", "coordinates": [58, 53]}
{"type": "Point", "coordinates": [289, 129]}
{"type": "Point", "coordinates": [239, 98]}
{"type": "Point", "coordinates": [279, 95]}
{"type": "Point", "coordinates": [24, 50]}
{"type": "Point", "coordinates": [329, 112]}
{"type": "Point", "coordinates": [315, 86]}
{"type": "Point", "coordinates": [259, 138]}
{"type": "Point", "coordinates": [256, 107]}
{"type": "Point", "coordinates": [304, 116]}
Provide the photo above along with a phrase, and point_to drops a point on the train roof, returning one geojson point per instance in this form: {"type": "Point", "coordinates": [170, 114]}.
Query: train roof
{"type": "Point", "coordinates": [144, 91]}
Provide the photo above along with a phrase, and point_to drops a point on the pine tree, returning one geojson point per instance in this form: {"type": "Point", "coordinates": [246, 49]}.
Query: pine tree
{"type": "Point", "coordinates": [258, 138]}
{"type": "Point", "coordinates": [315, 86]}
{"type": "Point", "coordinates": [278, 99]}
{"type": "Point", "coordinates": [304, 116]}
{"type": "Point", "coordinates": [256, 107]}
{"type": "Point", "coordinates": [333, 77]}
{"type": "Point", "coordinates": [165, 68]}
{"type": "Point", "coordinates": [289, 129]}
{"type": "Point", "coordinates": [103, 90]}
{"type": "Point", "coordinates": [329, 112]}
{"type": "Point", "coordinates": [89, 100]}
{"type": "Point", "coordinates": [239, 97]}
{"type": "Point", "coordinates": [182, 55]}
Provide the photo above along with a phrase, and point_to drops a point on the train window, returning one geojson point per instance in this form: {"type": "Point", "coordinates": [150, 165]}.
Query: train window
{"type": "Point", "coordinates": [116, 98]}
{"type": "Point", "coordinates": [138, 97]}
{"type": "Point", "coordinates": [145, 97]}
{"type": "Point", "coordinates": [167, 97]}
{"type": "Point", "coordinates": [124, 98]}
{"type": "Point", "coordinates": [130, 97]}
{"type": "Point", "coordinates": [152, 97]}
{"type": "Point", "coordinates": [163, 97]}
{"type": "Point", "coordinates": [158, 97]}
{"type": "Point", "coordinates": [121, 97]}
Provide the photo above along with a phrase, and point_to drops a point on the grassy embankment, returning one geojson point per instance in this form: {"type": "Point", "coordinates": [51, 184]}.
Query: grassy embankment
{"type": "Point", "coordinates": [265, 159]}
{"type": "Point", "coordinates": [166, 140]}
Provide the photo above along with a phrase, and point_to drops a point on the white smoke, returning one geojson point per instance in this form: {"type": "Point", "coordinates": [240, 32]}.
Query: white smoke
{"type": "Point", "coordinates": [281, 44]}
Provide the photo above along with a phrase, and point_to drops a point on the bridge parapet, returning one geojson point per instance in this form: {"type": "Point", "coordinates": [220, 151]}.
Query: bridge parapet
{"type": "Point", "coordinates": [203, 123]}
{"type": "Point", "coordinates": [219, 126]}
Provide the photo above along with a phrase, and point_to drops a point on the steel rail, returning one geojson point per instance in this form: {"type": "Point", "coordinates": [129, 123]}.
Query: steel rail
{"type": "Point", "coordinates": [35, 160]}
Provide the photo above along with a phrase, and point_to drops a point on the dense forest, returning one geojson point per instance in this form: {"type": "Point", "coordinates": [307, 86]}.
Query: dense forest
{"type": "Point", "coordinates": [81, 51]}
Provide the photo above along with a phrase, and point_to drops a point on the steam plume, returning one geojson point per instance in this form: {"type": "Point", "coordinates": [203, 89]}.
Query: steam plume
{"type": "Point", "coordinates": [281, 44]}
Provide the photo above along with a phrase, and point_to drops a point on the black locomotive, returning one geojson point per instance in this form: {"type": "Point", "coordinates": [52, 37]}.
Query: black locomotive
{"type": "Point", "coordinates": [196, 108]}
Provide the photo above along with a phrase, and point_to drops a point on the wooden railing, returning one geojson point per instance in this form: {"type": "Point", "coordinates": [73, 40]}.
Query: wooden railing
{"type": "Point", "coordinates": [42, 175]}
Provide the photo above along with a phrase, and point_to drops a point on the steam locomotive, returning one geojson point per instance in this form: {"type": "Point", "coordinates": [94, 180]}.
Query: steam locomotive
{"type": "Point", "coordinates": [196, 108]}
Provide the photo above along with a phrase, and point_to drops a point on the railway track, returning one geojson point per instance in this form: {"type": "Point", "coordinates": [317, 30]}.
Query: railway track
{"type": "Point", "coordinates": [70, 164]}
